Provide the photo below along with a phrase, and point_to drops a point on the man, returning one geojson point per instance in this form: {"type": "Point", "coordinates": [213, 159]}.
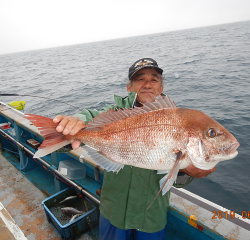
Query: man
{"type": "Point", "coordinates": [127, 194]}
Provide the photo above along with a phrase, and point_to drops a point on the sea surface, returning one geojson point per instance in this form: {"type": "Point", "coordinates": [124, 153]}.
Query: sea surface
{"type": "Point", "coordinates": [204, 68]}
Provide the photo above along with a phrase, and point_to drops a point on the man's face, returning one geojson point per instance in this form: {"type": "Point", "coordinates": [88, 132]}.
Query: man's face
{"type": "Point", "coordinates": [147, 84]}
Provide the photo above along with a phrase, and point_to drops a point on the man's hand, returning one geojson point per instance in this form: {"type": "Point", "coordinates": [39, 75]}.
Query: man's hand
{"type": "Point", "coordinates": [69, 125]}
{"type": "Point", "coordinates": [192, 171]}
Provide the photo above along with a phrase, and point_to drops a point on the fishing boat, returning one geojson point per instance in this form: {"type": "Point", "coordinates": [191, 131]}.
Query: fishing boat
{"type": "Point", "coordinates": [34, 190]}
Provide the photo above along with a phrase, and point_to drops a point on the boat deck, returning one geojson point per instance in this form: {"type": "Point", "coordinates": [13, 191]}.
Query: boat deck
{"type": "Point", "coordinates": [21, 213]}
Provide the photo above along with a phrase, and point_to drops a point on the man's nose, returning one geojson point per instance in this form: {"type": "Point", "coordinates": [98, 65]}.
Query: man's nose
{"type": "Point", "coordinates": [147, 84]}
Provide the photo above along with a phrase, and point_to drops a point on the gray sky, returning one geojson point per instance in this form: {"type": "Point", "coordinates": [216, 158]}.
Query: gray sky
{"type": "Point", "coordinates": [35, 24]}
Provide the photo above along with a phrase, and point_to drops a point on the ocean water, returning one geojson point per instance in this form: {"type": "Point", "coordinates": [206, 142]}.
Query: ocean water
{"type": "Point", "coordinates": [207, 69]}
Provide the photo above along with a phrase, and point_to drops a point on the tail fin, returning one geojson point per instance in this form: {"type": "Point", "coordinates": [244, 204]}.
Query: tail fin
{"type": "Point", "coordinates": [53, 139]}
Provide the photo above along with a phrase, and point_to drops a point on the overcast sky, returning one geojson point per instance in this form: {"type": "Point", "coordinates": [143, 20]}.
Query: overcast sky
{"type": "Point", "coordinates": [35, 24]}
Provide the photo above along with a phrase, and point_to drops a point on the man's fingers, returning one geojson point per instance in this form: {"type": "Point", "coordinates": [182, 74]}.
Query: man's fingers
{"type": "Point", "coordinates": [62, 125]}
{"type": "Point", "coordinates": [210, 171]}
{"type": "Point", "coordinates": [58, 118]}
{"type": "Point", "coordinates": [76, 144]}
{"type": "Point", "coordinates": [205, 173]}
{"type": "Point", "coordinates": [192, 171]}
{"type": "Point", "coordinates": [66, 124]}
{"type": "Point", "coordinates": [77, 127]}
{"type": "Point", "coordinates": [69, 124]}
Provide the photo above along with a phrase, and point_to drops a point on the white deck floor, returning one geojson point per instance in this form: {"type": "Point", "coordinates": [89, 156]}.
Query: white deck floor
{"type": "Point", "coordinates": [21, 213]}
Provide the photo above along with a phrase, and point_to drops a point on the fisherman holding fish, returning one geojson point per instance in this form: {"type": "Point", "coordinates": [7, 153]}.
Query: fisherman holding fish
{"type": "Point", "coordinates": [129, 189]}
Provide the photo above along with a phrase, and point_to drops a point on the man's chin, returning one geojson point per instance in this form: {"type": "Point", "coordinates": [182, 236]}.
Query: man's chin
{"type": "Point", "coordinates": [148, 99]}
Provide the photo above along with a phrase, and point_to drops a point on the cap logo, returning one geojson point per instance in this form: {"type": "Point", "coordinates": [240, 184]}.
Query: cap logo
{"type": "Point", "coordinates": [143, 63]}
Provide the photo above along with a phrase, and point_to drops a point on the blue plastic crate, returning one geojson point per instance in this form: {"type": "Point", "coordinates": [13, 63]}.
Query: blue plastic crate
{"type": "Point", "coordinates": [74, 229]}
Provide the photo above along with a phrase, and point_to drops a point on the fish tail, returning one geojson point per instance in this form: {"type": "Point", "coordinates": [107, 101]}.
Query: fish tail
{"type": "Point", "coordinates": [53, 139]}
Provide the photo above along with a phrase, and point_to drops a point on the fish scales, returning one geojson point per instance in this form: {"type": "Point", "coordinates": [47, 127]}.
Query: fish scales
{"type": "Point", "coordinates": [145, 140]}
{"type": "Point", "coordinates": [165, 139]}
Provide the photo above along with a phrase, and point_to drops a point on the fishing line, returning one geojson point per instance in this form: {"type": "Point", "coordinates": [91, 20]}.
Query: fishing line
{"type": "Point", "coordinates": [15, 94]}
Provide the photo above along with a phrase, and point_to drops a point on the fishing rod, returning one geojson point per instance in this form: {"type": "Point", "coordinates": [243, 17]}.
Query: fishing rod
{"type": "Point", "coordinates": [15, 94]}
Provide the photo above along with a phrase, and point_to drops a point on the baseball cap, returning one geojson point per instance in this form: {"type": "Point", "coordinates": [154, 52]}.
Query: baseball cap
{"type": "Point", "coordinates": [143, 63]}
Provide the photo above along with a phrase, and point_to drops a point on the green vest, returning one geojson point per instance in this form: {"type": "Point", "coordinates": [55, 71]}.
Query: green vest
{"type": "Point", "coordinates": [127, 194]}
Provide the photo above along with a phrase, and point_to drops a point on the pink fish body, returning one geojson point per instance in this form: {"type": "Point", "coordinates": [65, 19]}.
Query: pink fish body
{"type": "Point", "coordinates": [158, 136]}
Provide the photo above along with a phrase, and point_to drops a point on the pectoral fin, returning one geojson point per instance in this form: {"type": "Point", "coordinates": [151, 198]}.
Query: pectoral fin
{"type": "Point", "coordinates": [101, 159]}
{"type": "Point", "coordinates": [168, 180]}
{"type": "Point", "coordinates": [162, 171]}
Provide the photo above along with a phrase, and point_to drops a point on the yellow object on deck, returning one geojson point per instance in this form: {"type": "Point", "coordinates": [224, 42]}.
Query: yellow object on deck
{"type": "Point", "coordinates": [19, 105]}
{"type": "Point", "coordinates": [192, 220]}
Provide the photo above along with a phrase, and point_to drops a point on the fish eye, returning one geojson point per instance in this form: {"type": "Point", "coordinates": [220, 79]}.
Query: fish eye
{"type": "Point", "coordinates": [212, 132]}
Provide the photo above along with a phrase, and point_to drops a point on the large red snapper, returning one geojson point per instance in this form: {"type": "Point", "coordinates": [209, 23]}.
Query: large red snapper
{"type": "Point", "coordinates": [157, 136]}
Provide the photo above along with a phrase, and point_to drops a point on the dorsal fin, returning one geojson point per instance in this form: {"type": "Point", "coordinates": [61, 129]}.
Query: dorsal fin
{"type": "Point", "coordinates": [161, 102]}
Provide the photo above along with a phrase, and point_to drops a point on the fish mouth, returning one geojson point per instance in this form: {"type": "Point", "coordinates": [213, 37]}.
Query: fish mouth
{"type": "Point", "coordinates": [231, 148]}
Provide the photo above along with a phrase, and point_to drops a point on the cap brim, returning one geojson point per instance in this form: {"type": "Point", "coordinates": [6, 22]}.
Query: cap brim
{"type": "Point", "coordinates": [156, 68]}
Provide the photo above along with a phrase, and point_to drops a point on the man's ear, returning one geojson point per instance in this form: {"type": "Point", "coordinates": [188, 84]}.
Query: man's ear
{"type": "Point", "coordinates": [129, 87]}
